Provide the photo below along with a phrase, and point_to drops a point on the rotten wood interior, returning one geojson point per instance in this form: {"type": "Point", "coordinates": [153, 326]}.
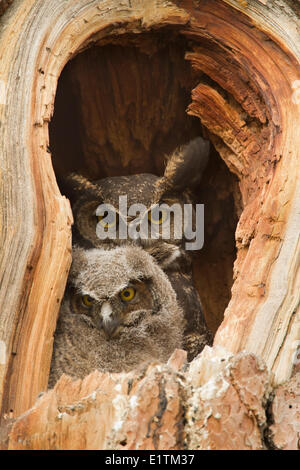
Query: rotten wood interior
{"type": "Point", "coordinates": [135, 82]}
{"type": "Point", "coordinates": [120, 108]}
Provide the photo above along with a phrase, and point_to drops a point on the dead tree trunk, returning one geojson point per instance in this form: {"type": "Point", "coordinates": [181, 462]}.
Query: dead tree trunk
{"type": "Point", "coordinates": [242, 79]}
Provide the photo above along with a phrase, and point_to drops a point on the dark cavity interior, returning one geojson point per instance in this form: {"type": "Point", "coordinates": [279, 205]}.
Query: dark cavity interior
{"type": "Point", "coordinates": [120, 108]}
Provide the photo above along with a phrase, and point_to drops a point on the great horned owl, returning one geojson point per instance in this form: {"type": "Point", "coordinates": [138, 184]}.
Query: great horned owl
{"type": "Point", "coordinates": [183, 172]}
{"type": "Point", "coordinates": [119, 311]}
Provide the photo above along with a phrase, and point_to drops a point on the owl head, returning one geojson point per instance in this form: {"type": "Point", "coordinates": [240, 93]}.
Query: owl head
{"type": "Point", "coordinates": [156, 195]}
{"type": "Point", "coordinates": [125, 296]}
{"type": "Point", "coordinates": [119, 313]}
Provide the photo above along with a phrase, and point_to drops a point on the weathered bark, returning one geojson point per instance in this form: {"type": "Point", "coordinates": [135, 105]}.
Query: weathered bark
{"type": "Point", "coordinates": [221, 402]}
{"type": "Point", "coordinates": [245, 60]}
{"type": "Point", "coordinates": [254, 126]}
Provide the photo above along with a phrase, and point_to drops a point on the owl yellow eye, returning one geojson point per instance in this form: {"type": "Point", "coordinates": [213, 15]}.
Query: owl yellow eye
{"type": "Point", "coordinates": [157, 216]}
{"type": "Point", "coordinates": [87, 300]}
{"type": "Point", "coordinates": [127, 294]}
{"type": "Point", "coordinates": [108, 219]}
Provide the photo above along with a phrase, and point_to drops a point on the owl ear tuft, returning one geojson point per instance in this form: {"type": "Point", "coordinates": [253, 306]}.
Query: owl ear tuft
{"type": "Point", "coordinates": [185, 166]}
{"type": "Point", "coordinates": [75, 185]}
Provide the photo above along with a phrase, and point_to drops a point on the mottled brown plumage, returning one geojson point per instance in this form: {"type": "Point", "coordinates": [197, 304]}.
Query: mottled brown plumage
{"type": "Point", "coordinates": [119, 312]}
{"type": "Point", "coordinates": [183, 172]}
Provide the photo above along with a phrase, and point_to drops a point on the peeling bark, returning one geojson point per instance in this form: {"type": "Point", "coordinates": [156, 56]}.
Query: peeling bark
{"type": "Point", "coordinates": [284, 430]}
{"type": "Point", "coordinates": [242, 71]}
{"type": "Point", "coordinates": [217, 402]}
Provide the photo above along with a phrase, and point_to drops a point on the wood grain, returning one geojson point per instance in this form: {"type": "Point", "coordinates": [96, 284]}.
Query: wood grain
{"type": "Point", "coordinates": [245, 59]}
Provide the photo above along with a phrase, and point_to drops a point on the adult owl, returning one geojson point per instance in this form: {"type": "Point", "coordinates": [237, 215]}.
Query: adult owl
{"type": "Point", "coordinates": [119, 312]}
{"type": "Point", "coordinates": [183, 171]}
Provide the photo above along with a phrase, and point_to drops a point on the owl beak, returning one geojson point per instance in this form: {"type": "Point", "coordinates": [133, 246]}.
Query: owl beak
{"type": "Point", "coordinates": [110, 324]}
{"type": "Point", "coordinates": [110, 328]}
